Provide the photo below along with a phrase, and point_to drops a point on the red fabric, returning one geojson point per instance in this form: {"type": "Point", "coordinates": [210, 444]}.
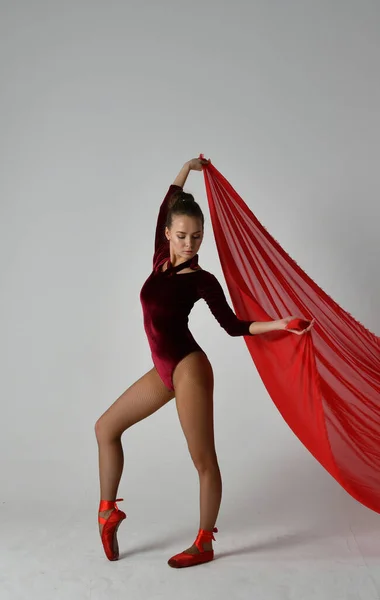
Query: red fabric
{"type": "Point", "coordinates": [325, 383]}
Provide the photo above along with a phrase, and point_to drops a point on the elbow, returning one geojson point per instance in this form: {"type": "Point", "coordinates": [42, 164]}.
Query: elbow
{"type": "Point", "coordinates": [233, 332]}
{"type": "Point", "coordinates": [239, 330]}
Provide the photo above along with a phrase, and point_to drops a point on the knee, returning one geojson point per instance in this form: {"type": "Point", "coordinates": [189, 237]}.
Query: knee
{"type": "Point", "coordinates": [205, 463]}
{"type": "Point", "coordinates": [104, 432]}
{"type": "Point", "coordinates": [99, 430]}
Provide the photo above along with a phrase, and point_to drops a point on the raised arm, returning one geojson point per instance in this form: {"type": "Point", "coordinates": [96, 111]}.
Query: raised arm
{"type": "Point", "coordinates": [180, 180]}
{"type": "Point", "coordinates": [160, 238]}
{"type": "Point", "coordinates": [195, 164]}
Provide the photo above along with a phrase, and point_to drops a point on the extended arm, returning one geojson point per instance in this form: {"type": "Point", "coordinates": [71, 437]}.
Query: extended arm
{"type": "Point", "coordinates": [297, 325]}
{"type": "Point", "coordinates": [258, 327]}
{"type": "Point", "coordinates": [212, 292]}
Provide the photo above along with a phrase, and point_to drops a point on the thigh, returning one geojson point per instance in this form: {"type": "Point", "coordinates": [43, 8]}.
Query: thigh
{"type": "Point", "coordinates": [194, 387]}
{"type": "Point", "coordinates": [139, 401]}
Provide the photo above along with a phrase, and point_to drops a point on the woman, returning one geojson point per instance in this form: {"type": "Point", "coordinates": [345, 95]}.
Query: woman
{"type": "Point", "coordinates": [181, 368]}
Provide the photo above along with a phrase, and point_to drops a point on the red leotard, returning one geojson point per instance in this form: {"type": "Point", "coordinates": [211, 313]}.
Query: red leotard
{"type": "Point", "coordinates": [168, 297]}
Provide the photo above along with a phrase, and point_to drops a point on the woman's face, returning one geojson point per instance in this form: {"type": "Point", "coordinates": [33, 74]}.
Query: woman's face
{"type": "Point", "coordinates": [185, 235]}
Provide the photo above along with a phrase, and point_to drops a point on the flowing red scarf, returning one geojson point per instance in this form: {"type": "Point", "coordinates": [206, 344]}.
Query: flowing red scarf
{"type": "Point", "coordinates": [325, 383]}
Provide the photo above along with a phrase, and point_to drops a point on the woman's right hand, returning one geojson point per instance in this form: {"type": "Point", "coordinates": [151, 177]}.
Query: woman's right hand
{"type": "Point", "coordinates": [196, 164]}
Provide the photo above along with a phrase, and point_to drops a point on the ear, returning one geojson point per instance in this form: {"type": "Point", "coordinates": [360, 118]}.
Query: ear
{"type": "Point", "coordinates": [167, 233]}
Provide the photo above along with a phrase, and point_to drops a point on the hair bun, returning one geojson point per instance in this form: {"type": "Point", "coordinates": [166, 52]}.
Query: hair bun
{"type": "Point", "coordinates": [185, 197]}
{"type": "Point", "coordinates": [183, 203]}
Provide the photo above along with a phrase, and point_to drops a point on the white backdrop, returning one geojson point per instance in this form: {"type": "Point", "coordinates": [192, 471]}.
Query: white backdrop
{"type": "Point", "coordinates": [101, 104]}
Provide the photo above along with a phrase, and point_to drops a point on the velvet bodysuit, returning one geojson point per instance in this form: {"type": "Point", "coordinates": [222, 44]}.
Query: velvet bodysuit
{"type": "Point", "coordinates": [167, 298]}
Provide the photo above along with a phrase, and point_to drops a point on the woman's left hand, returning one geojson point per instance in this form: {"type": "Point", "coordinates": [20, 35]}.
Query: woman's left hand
{"type": "Point", "coordinates": [196, 164]}
{"type": "Point", "coordinates": [284, 322]}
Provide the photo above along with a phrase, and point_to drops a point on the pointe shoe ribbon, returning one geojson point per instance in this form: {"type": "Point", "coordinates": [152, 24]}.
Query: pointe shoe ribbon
{"type": "Point", "coordinates": [204, 537]}
{"type": "Point", "coordinates": [185, 559]}
{"type": "Point", "coordinates": [108, 505]}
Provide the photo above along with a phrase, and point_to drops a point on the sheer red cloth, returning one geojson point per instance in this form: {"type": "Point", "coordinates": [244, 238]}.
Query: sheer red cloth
{"type": "Point", "coordinates": [325, 383]}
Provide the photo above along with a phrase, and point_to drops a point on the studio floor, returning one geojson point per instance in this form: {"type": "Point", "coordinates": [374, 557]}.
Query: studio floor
{"type": "Point", "coordinates": [60, 558]}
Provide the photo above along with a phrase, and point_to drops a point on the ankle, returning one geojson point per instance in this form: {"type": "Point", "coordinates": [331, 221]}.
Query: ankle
{"type": "Point", "coordinates": [105, 513]}
{"type": "Point", "coordinates": [207, 546]}
{"type": "Point", "coordinates": [109, 505]}
{"type": "Point", "coordinates": [204, 539]}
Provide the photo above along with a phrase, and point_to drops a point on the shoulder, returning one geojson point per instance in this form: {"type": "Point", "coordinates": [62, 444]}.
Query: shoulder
{"type": "Point", "coordinates": [206, 275]}
{"type": "Point", "coordinates": [206, 281]}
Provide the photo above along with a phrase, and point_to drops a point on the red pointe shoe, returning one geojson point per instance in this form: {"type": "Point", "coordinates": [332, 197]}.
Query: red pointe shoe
{"type": "Point", "coordinates": [185, 559]}
{"type": "Point", "coordinates": [110, 527]}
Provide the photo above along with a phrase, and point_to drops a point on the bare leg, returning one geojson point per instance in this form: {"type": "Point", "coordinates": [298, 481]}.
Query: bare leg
{"type": "Point", "coordinates": [140, 400]}
{"type": "Point", "coordinates": [194, 383]}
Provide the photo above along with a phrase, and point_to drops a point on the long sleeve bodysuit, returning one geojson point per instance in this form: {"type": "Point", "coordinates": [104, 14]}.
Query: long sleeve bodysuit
{"type": "Point", "coordinates": [167, 298]}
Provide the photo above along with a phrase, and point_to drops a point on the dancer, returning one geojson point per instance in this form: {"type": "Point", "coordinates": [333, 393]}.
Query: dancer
{"type": "Point", "coordinates": [181, 368]}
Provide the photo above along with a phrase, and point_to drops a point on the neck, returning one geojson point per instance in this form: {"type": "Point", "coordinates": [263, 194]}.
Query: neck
{"type": "Point", "coordinates": [174, 261]}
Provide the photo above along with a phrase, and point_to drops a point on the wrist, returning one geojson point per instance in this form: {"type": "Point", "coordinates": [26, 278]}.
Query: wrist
{"type": "Point", "coordinates": [280, 325]}
{"type": "Point", "coordinates": [259, 327]}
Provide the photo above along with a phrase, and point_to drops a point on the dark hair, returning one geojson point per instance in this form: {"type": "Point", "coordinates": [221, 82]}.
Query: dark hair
{"type": "Point", "coordinates": [182, 203]}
